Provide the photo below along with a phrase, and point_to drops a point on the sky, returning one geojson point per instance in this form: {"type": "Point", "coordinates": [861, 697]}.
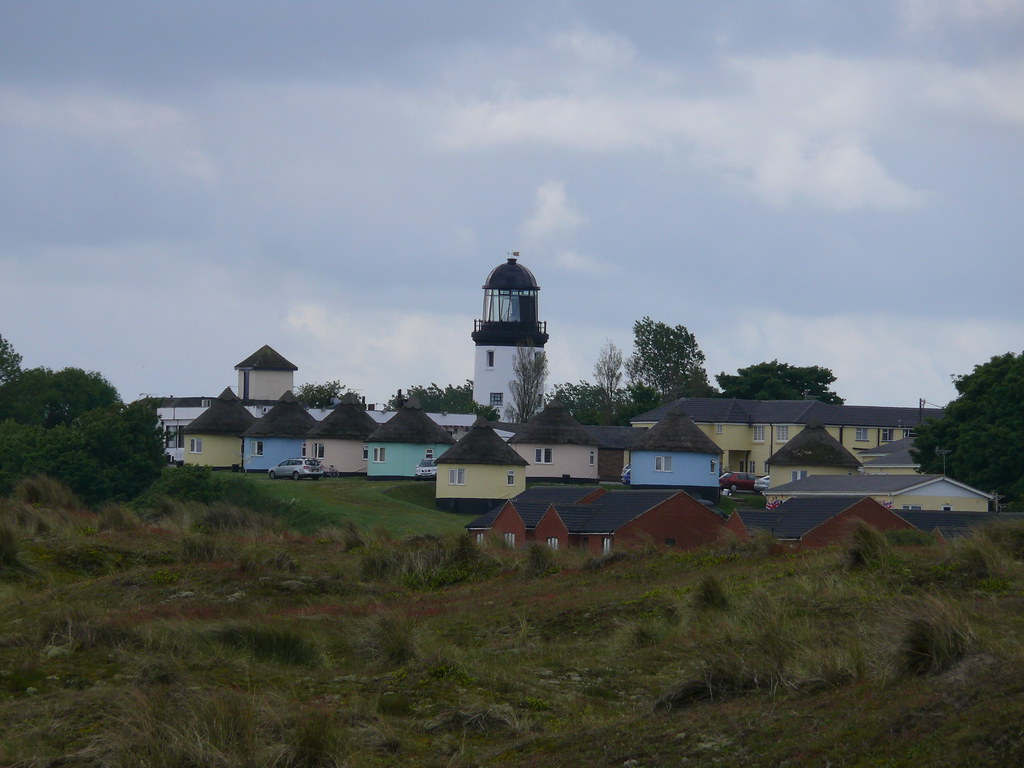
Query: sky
{"type": "Point", "coordinates": [819, 183]}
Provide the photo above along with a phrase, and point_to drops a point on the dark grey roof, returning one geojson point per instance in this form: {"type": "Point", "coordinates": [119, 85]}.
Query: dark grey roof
{"type": "Point", "coordinates": [412, 425]}
{"type": "Point", "coordinates": [676, 432]}
{"type": "Point", "coordinates": [481, 445]}
{"type": "Point", "coordinates": [864, 485]}
{"type": "Point", "coordinates": [204, 401]}
{"type": "Point", "coordinates": [266, 359]}
{"type": "Point", "coordinates": [286, 419]}
{"type": "Point", "coordinates": [887, 449]}
{"type": "Point", "coordinates": [554, 426]}
{"type": "Point", "coordinates": [615, 438]}
{"type": "Point", "coordinates": [895, 459]}
{"type": "Point", "coordinates": [795, 517]}
{"type": "Point", "coordinates": [952, 524]}
{"type": "Point", "coordinates": [815, 447]}
{"type": "Point", "coordinates": [348, 420]}
{"type": "Point", "coordinates": [532, 503]}
{"type": "Point", "coordinates": [511, 274]}
{"type": "Point", "coordinates": [711, 410]}
{"type": "Point", "coordinates": [225, 416]}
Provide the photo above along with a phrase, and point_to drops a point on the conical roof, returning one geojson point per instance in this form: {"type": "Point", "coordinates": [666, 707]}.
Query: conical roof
{"type": "Point", "coordinates": [225, 416]}
{"type": "Point", "coordinates": [286, 419]}
{"type": "Point", "coordinates": [412, 425]}
{"type": "Point", "coordinates": [511, 274]}
{"type": "Point", "coordinates": [481, 445]}
{"type": "Point", "coordinates": [266, 358]}
{"type": "Point", "coordinates": [815, 447]}
{"type": "Point", "coordinates": [676, 432]}
{"type": "Point", "coordinates": [555, 426]}
{"type": "Point", "coordinates": [347, 421]}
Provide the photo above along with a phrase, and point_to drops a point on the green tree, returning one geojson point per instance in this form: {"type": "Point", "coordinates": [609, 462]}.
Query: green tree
{"type": "Point", "coordinates": [982, 430]}
{"type": "Point", "coordinates": [530, 372]}
{"type": "Point", "coordinates": [668, 359]}
{"type": "Point", "coordinates": [450, 399]}
{"type": "Point", "coordinates": [49, 399]}
{"type": "Point", "coordinates": [639, 398]}
{"type": "Point", "coordinates": [10, 361]}
{"type": "Point", "coordinates": [780, 381]}
{"type": "Point", "coordinates": [584, 401]}
{"type": "Point", "coordinates": [323, 395]}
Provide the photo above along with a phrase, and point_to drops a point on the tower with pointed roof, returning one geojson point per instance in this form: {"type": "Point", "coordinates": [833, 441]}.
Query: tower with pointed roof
{"type": "Point", "coordinates": [510, 317]}
{"type": "Point", "coordinates": [265, 375]}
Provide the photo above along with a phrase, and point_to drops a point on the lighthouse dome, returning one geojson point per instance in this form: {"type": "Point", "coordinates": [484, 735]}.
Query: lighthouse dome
{"type": "Point", "coordinates": [511, 275]}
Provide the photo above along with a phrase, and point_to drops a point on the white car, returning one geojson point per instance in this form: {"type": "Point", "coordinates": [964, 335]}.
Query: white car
{"type": "Point", "coordinates": [761, 484]}
{"type": "Point", "coordinates": [297, 469]}
{"type": "Point", "coordinates": [426, 470]}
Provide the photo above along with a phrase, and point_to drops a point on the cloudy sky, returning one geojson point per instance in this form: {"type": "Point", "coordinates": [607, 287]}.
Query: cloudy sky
{"type": "Point", "coordinates": [822, 183]}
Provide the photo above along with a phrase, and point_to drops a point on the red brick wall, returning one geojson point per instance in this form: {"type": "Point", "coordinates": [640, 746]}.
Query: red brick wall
{"type": "Point", "coordinates": [735, 524]}
{"type": "Point", "coordinates": [509, 521]}
{"type": "Point", "coordinates": [609, 464]}
{"type": "Point", "coordinates": [680, 517]}
{"type": "Point", "coordinates": [551, 526]}
{"type": "Point", "coordinates": [835, 530]}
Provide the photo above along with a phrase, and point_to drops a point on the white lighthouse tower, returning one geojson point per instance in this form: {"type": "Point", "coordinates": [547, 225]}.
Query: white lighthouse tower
{"type": "Point", "coordinates": [510, 318]}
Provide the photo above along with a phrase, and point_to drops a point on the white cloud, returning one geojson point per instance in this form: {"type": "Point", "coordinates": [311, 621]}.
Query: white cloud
{"type": "Point", "coordinates": [553, 214]}
{"type": "Point", "coordinates": [921, 16]}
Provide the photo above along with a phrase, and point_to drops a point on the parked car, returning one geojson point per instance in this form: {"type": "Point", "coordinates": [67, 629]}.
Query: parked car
{"type": "Point", "coordinates": [761, 484]}
{"type": "Point", "coordinates": [426, 469]}
{"type": "Point", "coordinates": [627, 472]}
{"type": "Point", "coordinates": [297, 469]}
{"type": "Point", "coordinates": [737, 481]}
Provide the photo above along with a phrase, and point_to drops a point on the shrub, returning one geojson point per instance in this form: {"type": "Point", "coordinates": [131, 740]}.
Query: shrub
{"type": "Point", "coordinates": [866, 547]}
{"type": "Point", "coordinates": [427, 562]}
{"type": "Point", "coordinates": [198, 549]}
{"type": "Point", "coordinates": [189, 482]}
{"type": "Point", "coordinates": [117, 517]}
{"type": "Point", "coordinates": [227, 517]}
{"type": "Point", "coordinates": [540, 560]}
{"type": "Point", "coordinates": [315, 742]}
{"type": "Point", "coordinates": [270, 643]}
{"type": "Point", "coordinates": [1008, 536]}
{"type": "Point", "coordinates": [10, 542]}
{"type": "Point", "coordinates": [933, 636]}
{"type": "Point", "coordinates": [40, 490]}
{"type": "Point", "coordinates": [391, 638]}
{"type": "Point", "coordinates": [710, 594]}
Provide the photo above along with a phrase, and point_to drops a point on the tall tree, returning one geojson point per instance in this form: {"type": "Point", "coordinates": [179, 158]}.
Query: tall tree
{"type": "Point", "coordinates": [980, 438]}
{"type": "Point", "coordinates": [323, 395]}
{"type": "Point", "coordinates": [530, 368]}
{"type": "Point", "coordinates": [10, 361]}
{"type": "Point", "coordinates": [53, 398]}
{"type": "Point", "coordinates": [449, 399]}
{"type": "Point", "coordinates": [608, 379]}
{"type": "Point", "coordinates": [585, 401]}
{"type": "Point", "coordinates": [668, 359]}
{"type": "Point", "coordinates": [780, 381]}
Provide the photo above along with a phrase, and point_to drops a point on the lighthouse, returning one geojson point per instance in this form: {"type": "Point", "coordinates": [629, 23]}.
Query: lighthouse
{"type": "Point", "coordinates": [510, 318]}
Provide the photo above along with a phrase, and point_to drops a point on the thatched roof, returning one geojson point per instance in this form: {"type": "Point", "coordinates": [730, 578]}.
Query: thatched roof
{"type": "Point", "coordinates": [266, 359]}
{"type": "Point", "coordinates": [225, 416]}
{"type": "Point", "coordinates": [676, 432]}
{"type": "Point", "coordinates": [814, 447]}
{"type": "Point", "coordinates": [554, 426]}
{"type": "Point", "coordinates": [411, 425]}
{"type": "Point", "coordinates": [348, 421]}
{"type": "Point", "coordinates": [481, 445]}
{"type": "Point", "coordinates": [286, 419]}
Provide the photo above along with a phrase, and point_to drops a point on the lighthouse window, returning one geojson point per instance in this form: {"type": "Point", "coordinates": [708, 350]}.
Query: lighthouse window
{"type": "Point", "coordinates": [497, 399]}
{"type": "Point", "coordinates": [490, 358]}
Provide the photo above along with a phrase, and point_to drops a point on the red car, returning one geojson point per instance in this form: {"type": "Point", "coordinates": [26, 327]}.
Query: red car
{"type": "Point", "coordinates": [737, 481]}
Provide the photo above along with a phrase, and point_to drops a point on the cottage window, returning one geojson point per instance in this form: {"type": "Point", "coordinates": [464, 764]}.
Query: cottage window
{"type": "Point", "coordinates": [303, 451]}
{"type": "Point", "coordinates": [511, 477]}
{"type": "Point", "coordinates": [662, 463]}
{"type": "Point", "coordinates": [712, 466]}
{"type": "Point", "coordinates": [718, 429]}
{"type": "Point", "coordinates": [195, 445]}
{"type": "Point", "coordinates": [908, 433]}
{"type": "Point", "coordinates": [861, 435]}
{"type": "Point", "coordinates": [497, 399]}
{"type": "Point", "coordinates": [542, 456]}
{"type": "Point", "coordinates": [947, 507]}
{"type": "Point", "coordinates": [887, 434]}
{"type": "Point", "coordinates": [428, 453]}
{"type": "Point", "coordinates": [257, 447]}
{"type": "Point", "coordinates": [553, 542]}
{"type": "Point", "coordinates": [318, 450]}
{"type": "Point", "coordinates": [781, 434]}
{"type": "Point", "coordinates": [798, 474]}
{"type": "Point", "coordinates": [759, 433]}
{"type": "Point", "coordinates": [457, 476]}
{"type": "Point", "coordinates": [366, 452]}
{"type": "Point", "coordinates": [379, 454]}
{"type": "Point", "coordinates": [510, 539]}
{"type": "Point", "coordinates": [592, 457]}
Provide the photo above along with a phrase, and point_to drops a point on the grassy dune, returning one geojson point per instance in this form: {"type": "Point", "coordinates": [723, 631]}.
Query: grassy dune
{"type": "Point", "coordinates": [367, 632]}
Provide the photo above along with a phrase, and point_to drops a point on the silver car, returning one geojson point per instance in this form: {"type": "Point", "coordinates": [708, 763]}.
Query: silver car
{"type": "Point", "coordinates": [297, 469]}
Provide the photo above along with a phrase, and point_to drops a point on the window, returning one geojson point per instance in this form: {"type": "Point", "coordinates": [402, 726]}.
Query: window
{"type": "Point", "coordinates": [781, 434]}
{"type": "Point", "coordinates": [303, 451]}
{"type": "Point", "coordinates": [712, 466]}
{"type": "Point", "coordinates": [257, 447]}
{"type": "Point", "coordinates": [759, 433]}
{"type": "Point", "coordinates": [541, 455]}
{"type": "Point", "coordinates": [606, 544]}
{"type": "Point", "coordinates": [195, 445]}
{"type": "Point", "coordinates": [908, 433]}
{"type": "Point", "coordinates": [662, 463]}
{"type": "Point", "coordinates": [670, 542]}
{"type": "Point", "coordinates": [318, 450]}
{"type": "Point", "coordinates": [947, 507]}
{"type": "Point", "coordinates": [490, 358]}
{"type": "Point", "coordinates": [497, 399]}
{"type": "Point", "coordinates": [887, 434]}
{"type": "Point", "coordinates": [798, 474]}
{"type": "Point", "coordinates": [480, 537]}
{"type": "Point", "coordinates": [718, 429]}
{"type": "Point", "coordinates": [511, 477]}
{"type": "Point", "coordinates": [553, 542]}
{"type": "Point", "coordinates": [457, 476]}
{"type": "Point", "coordinates": [379, 454]}
{"type": "Point", "coordinates": [510, 539]}
{"type": "Point", "coordinates": [862, 434]}
{"type": "Point", "coordinates": [366, 452]}
{"type": "Point", "coordinates": [911, 506]}
{"type": "Point", "coordinates": [428, 453]}
{"type": "Point", "coordinates": [593, 455]}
